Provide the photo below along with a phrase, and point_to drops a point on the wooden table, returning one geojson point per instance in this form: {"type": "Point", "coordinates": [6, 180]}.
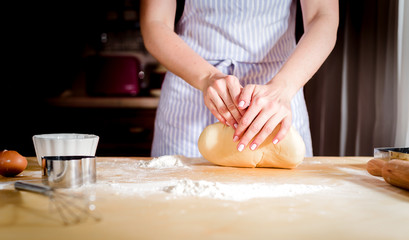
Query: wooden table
{"type": "Point", "coordinates": [341, 201]}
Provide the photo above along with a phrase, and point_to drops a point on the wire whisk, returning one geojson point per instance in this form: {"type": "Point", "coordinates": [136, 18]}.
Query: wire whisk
{"type": "Point", "coordinates": [71, 208]}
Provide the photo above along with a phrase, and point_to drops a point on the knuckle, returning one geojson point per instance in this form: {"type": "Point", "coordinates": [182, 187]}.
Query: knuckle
{"type": "Point", "coordinates": [227, 117]}
{"type": "Point", "coordinates": [223, 109]}
{"type": "Point", "coordinates": [254, 128]}
{"type": "Point", "coordinates": [231, 79]}
{"type": "Point", "coordinates": [209, 91]}
{"type": "Point", "coordinates": [219, 83]}
{"type": "Point", "coordinates": [259, 101]}
{"type": "Point", "coordinates": [231, 107]}
{"type": "Point", "coordinates": [245, 121]}
{"type": "Point", "coordinates": [268, 129]}
{"type": "Point", "coordinates": [272, 105]}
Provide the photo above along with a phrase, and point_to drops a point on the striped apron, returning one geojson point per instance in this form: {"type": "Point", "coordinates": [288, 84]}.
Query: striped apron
{"type": "Point", "coordinates": [250, 39]}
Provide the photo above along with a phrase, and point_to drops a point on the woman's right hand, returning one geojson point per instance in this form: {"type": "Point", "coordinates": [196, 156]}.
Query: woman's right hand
{"type": "Point", "coordinates": [221, 95]}
{"type": "Point", "coordinates": [220, 91]}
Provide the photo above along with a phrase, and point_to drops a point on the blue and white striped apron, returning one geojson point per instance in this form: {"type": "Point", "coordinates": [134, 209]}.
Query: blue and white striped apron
{"type": "Point", "coordinates": [250, 39]}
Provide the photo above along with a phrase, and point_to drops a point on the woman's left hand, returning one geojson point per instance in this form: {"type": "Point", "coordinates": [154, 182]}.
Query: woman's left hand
{"type": "Point", "coordinates": [267, 106]}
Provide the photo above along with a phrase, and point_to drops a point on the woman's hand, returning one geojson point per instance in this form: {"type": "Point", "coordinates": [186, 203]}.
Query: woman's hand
{"type": "Point", "coordinates": [267, 106]}
{"type": "Point", "coordinates": [221, 95]}
{"type": "Point", "coordinates": [270, 103]}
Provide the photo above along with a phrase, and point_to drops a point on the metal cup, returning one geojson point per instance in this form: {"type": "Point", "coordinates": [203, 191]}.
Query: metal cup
{"type": "Point", "coordinates": [68, 171]}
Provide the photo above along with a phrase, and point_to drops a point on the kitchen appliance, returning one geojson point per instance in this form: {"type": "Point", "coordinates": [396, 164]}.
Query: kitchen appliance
{"type": "Point", "coordinates": [113, 74]}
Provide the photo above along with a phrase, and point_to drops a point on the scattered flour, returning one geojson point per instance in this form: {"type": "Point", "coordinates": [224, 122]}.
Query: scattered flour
{"type": "Point", "coordinates": [157, 176]}
{"type": "Point", "coordinates": [354, 172]}
{"type": "Point", "coordinates": [167, 161]}
{"type": "Point", "coordinates": [174, 188]}
{"type": "Point", "coordinates": [4, 186]}
{"type": "Point", "coordinates": [186, 187]}
{"type": "Point", "coordinates": [238, 191]}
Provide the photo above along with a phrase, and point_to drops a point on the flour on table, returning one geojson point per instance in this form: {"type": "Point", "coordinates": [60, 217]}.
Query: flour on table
{"type": "Point", "coordinates": [186, 187]}
{"type": "Point", "coordinates": [238, 191]}
{"type": "Point", "coordinates": [354, 172]}
{"type": "Point", "coordinates": [158, 177]}
{"type": "Point", "coordinates": [5, 186]}
{"type": "Point", "coordinates": [167, 161]}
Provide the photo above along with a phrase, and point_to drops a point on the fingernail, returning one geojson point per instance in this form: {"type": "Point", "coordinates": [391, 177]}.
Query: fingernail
{"type": "Point", "coordinates": [241, 147]}
{"type": "Point", "coordinates": [235, 139]}
{"type": "Point", "coordinates": [227, 124]}
{"type": "Point", "coordinates": [241, 104]}
{"type": "Point", "coordinates": [253, 146]}
{"type": "Point", "coordinates": [235, 125]}
{"type": "Point", "coordinates": [275, 141]}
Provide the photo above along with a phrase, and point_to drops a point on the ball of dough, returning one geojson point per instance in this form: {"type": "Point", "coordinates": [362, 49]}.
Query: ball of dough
{"type": "Point", "coordinates": [217, 146]}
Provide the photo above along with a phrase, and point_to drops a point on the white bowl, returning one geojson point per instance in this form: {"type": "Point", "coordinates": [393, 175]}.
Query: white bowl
{"type": "Point", "coordinates": [65, 144]}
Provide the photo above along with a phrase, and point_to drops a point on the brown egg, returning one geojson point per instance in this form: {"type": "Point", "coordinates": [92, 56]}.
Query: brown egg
{"type": "Point", "coordinates": [11, 163]}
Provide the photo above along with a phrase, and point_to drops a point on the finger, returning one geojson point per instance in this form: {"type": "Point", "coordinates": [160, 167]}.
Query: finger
{"type": "Point", "coordinates": [234, 87]}
{"type": "Point", "coordinates": [268, 129]}
{"type": "Point", "coordinates": [255, 129]}
{"type": "Point", "coordinates": [233, 111]}
{"type": "Point", "coordinates": [246, 120]}
{"type": "Point", "coordinates": [221, 108]}
{"type": "Point", "coordinates": [285, 126]}
{"type": "Point", "coordinates": [245, 96]}
{"type": "Point", "coordinates": [210, 105]}
{"type": "Point", "coordinates": [231, 114]}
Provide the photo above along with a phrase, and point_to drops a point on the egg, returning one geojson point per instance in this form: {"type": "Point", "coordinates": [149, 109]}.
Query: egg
{"type": "Point", "coordinates": [11, 163]}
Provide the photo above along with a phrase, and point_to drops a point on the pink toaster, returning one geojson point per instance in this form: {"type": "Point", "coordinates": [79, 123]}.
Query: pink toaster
{"type": "Point", "coordinates": [113, 75]}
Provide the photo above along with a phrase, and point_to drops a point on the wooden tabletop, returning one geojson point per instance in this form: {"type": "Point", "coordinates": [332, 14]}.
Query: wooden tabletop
{"type": "Point", "coordinates": [324, 198]}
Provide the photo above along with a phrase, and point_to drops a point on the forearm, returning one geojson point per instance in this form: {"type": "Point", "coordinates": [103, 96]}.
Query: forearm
{"type": "Point", "coordinates": [311, 51]}
{"type": "Point", "coordinates": [172, 52]}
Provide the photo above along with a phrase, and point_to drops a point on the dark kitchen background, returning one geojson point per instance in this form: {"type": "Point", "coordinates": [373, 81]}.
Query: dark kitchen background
{"type": "Point", "coordinates": [57, 56]}
{"type": "Point", "coordinates": [58, 52]}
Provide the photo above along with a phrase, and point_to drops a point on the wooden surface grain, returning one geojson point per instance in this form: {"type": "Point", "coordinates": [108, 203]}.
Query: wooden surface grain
{"type": "Point", "coordinates": [349, 204]}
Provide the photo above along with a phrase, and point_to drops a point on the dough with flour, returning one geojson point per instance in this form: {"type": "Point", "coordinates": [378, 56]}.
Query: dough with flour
{"type": "Point", "coordinates": [216, 145]}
